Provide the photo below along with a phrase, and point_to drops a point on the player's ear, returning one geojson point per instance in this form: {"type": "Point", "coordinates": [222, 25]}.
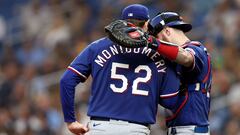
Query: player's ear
{"type": "Point", "coordinates": [145, 26]}
{"type": "Point", "coordinates": [167, 31]}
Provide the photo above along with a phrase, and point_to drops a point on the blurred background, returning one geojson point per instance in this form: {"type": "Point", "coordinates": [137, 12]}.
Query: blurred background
{"type": "Point", "coordinates": [39, 38]}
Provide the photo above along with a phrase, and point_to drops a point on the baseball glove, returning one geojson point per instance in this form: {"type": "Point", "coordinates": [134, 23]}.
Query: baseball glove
{"type": "Point", "coordinates": [125, 34]}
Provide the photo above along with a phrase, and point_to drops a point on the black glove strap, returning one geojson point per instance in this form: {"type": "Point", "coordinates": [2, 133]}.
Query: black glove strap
{"type": "Point", "coordinates": [153, 43]}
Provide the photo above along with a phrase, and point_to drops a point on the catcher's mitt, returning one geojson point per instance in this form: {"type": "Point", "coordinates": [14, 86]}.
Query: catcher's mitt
{"type": "Point", "coordinates": [125, 34]}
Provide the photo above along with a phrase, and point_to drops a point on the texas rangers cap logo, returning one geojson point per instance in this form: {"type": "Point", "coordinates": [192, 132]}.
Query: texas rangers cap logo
{"type": "Point", "coordinates": [130, 14]}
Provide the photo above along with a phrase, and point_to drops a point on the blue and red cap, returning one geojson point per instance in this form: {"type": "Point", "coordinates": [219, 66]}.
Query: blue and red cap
{"type": "Point", "coordinates": [135, 11]}
{"type": "Point", "coordinates": [170, 19]}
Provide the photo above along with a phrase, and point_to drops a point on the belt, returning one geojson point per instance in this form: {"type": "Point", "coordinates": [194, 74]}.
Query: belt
{"type": "Point", "coordinates": [196, 129]}
{"type": "Point", "coordinates": [108, 119]}
{"type": "Point", "coordinates": [201, 129]}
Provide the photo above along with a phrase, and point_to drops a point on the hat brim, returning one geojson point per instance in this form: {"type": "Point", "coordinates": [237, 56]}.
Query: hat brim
{"type": "Point", "coordinates": [185, 27]}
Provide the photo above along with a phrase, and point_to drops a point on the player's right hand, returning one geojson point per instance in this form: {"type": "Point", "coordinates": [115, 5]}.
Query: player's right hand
{"type": "Point", "coordinates": [77, 128]}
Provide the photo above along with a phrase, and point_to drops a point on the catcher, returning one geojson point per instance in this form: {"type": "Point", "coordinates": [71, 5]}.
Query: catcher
{"type": "Point", "coordinates": [190, 115]}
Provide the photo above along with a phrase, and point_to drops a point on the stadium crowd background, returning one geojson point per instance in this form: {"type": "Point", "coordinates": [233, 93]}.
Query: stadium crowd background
{"type": "Point", "coordinates": [39, 38]}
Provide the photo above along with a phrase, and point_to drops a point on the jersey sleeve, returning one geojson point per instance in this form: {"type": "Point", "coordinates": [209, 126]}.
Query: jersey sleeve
{"type": "Point", "coordinates": [68, 83]}
{"type": "Point", "coordinates": [81, 65]}
{"type": "Point", "coordinates": [170, 89]}
{"type": "Point", "coordinates": [199, 56]}
{"type": "Point", "coordinates": [77, 72]}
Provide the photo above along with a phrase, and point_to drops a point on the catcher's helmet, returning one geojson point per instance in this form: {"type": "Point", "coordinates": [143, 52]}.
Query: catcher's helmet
{"type": "Point", "coordinates": [170, 19]}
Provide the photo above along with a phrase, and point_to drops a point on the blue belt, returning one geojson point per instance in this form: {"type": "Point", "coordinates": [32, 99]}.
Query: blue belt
{"type": "Point", "coordinates": [201, 129]}
{"type": "Point", "coordinates": [197, 129]}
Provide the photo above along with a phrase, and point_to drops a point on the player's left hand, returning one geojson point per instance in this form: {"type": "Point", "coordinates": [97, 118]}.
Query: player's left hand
{"type": "Point", "coordinates": [77, 128]}
{"type": "Point", "coordinates": [126, 34]}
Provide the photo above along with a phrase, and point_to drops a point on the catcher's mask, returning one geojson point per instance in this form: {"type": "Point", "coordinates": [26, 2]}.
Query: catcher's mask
{"type": "Point", "coordinates": [170, 19]}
